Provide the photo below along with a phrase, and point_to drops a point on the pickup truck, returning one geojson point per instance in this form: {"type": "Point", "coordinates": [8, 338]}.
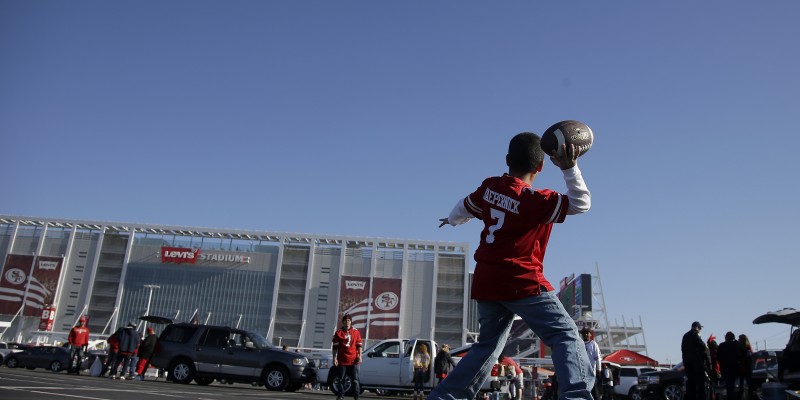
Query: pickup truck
{"type": "Point", "coordinates": [386, 368]}
{"type": "Point", "coordinates": [662, 385]}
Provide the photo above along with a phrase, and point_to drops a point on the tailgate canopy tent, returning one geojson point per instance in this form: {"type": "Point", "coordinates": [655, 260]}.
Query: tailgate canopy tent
{"type": "Point", "coordinates": [627, 357]}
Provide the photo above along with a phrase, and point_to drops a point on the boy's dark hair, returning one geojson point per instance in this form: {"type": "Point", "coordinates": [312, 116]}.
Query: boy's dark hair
{"type": "Point", "coordinates": [524, 152]}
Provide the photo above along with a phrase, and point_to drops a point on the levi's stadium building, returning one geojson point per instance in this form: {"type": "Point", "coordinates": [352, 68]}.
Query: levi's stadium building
{"type": "Point", "coordinates": [292, 288]}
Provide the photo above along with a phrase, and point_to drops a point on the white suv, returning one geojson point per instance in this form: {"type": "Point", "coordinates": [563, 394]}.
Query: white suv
{"type": "Point", "coordinates": [627, 379]}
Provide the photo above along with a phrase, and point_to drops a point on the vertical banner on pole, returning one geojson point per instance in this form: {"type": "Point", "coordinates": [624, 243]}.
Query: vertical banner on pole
{"type": "Point", "coordinates": [14, 282]}
{"type": "Point", "coordinates": [48, 316]}
{"type": "Point", "coordinates": [43, 285]}
{"type": "Point", "coordinates": [382, 312]}
{"type": "Point", "coordinates": [354, 300]}
{"type": "Point", "coordinates": [384, 321]}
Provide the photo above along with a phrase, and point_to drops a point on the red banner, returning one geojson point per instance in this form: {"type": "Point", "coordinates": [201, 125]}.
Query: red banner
{"type": "Point", "coordinates": [381, 312]}
{"type": "Point", "coordinates": [179, 255]}
{"type": "Point", "coordinates": [384, 319]}
{"type": "Point", "coordinates": [36, 284]}
{"type": "Point", "coordinates": [48, 316]}
{"type": "Point", "coordinates": [354, 300]}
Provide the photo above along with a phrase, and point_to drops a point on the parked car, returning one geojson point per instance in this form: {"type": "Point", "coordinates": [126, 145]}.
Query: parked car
{"type": "Point", "coordinates": [789, 358]}
{"type": "Point", "coordinates": [662, 385]}
{"type": "Point", "coordinates": [386, 368]}
{"type": "Point", "coordinates": [11, 347]}
{"type": "Point", "coordinates": [50, 357]}
{"type": "Point", "coordinates": [628, 376]}
{"type": "Point", "coordinates": [204, 353]}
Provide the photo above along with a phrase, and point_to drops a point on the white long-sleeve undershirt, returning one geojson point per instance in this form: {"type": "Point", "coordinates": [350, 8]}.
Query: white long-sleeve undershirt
{"type": "Point", "coordinates": [580, 199]}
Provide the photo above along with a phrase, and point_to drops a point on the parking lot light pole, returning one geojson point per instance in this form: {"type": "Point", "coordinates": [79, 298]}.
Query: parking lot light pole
{"type": "Point", "coordinates": [149, 300]}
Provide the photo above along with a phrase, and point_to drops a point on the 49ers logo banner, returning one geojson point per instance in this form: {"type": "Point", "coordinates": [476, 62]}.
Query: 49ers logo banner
{"type": "Point", "coordinates": [36, 284]}
{"type": "Point", "coordinates": [381, 312]}
{"type": "Point", "coordinates": [179, 255]}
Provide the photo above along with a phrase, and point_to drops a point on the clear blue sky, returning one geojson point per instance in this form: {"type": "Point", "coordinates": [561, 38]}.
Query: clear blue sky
{"type": "Point", "coordinates": [372, 118]}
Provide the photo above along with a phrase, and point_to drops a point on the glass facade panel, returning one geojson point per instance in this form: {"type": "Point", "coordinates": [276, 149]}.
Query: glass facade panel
{"type": "Point", "coordinates": [221, 296]}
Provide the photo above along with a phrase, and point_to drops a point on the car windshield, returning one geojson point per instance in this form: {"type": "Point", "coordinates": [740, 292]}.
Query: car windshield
{"type": "Point", "coordinates": [259, 341]}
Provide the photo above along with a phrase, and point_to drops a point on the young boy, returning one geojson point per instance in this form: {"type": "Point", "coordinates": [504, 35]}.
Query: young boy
{"type": "Point", "coordinates": [509, 276]}
{"type": "Point", "coordinates": [347, 346]}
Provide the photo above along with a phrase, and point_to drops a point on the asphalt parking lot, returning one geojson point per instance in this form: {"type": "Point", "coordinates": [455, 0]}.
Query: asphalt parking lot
{"type": "Point", "coordinates": [23, 384]}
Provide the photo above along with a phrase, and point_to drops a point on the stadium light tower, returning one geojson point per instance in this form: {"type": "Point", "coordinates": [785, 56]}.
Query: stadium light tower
{"type": "Point", "coordinates": [149, 300]}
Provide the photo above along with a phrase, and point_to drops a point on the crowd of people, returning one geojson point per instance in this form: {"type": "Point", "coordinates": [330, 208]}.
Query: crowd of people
{"type": "Point", "coordinates": [709, 364]}
{"type": "Point", "coordinates": [128, 354]}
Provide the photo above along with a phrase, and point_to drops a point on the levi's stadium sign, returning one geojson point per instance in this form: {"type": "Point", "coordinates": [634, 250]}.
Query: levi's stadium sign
{"type": "Point", "coordinates": [222, 257]}
{"type": "Point", "coordinates": [179, 255]}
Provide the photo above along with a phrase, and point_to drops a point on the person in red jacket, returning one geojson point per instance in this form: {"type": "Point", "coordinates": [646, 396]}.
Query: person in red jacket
{"type": "Point", "coordinates": [146, 349]}
{"type": "Point", "coordinates": [78, 344]}
{"type": "Point", "coordinates": [347, 346]}
{"type": "Point", "coordinates": [113, 353]}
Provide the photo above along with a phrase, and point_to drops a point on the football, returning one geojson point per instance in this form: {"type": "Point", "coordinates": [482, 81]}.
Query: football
{"type": "Point", "coordinates": [567, 132]}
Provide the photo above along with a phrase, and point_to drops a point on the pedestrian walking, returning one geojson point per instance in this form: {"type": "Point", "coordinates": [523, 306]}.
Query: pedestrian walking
{"type": "Point", "coordinates": [593, 351]}
{"type": "Point", "coordinates": [746, 368]}
{"type": "Point", "coordinates": [728, 357]}
{"type": "Point", "coordinates": [422, 363]}
{"type": "Point", "coordinates": [696, 363]}
{"type": "Point", "coordinates": [78, 345]}
{"type": "Point", "coordinates": [146, 350]}
{"type": "Point", "coordinates": [113, 353]}
{"type": "Point", "coordinates": [347, 346]}
{"type": "Point", "coordinates": [128, 344]}
{"type": "Point", "coordinates": [443, 363]}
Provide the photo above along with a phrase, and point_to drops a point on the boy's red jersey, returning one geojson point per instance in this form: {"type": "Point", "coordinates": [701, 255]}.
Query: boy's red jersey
{"type": "Point", "coordinates": [348, 341]}
{"type": "Point", "coordinates": [517, 224]}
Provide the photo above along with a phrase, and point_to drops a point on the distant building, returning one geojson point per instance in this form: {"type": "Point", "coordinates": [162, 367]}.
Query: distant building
{"type": "Point", "coordinates": [292, 288]}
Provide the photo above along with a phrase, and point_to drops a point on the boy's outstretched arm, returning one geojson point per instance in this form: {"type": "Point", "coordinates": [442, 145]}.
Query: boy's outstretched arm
{"type": "Point", "coordinates": [458, 215]}
{"type": "Point", "coordinates": [580, 199]}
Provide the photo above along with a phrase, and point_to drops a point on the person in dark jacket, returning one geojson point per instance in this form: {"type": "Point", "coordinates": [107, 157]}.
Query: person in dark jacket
{"type": "Point", "coordinates": [146, 350]}
{"type": "Point", "coordinates": [728, 357]}
{"type": "Point", "coordinates": [696, 362]}
{"type": "Point", "coordinates": [443, 363]}
{"type": "Point", "coordinates": [128, 344]}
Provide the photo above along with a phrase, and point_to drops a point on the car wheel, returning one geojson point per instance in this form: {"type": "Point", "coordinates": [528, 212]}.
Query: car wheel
{"type": "Point", "coordinates": [329, 382]}
{"type": "Point", "coordinates": [347, 385]}
{"type": "Point", "coordinates": [673, 392]}
{"type": "Point", "coordinates": [182, 371]}
{"type": "Point", "coordinates": [12, 362]}
{"type": "Point", "coordinates": [276, 378]}
{"type": "Point", "coordinates": [55, 366]}
{"type": "Point", "coordinates": [203, 381]}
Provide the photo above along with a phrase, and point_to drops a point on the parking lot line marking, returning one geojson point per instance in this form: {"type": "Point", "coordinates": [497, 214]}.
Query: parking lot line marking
{"type": "Point", "coordinates": [54, 394]}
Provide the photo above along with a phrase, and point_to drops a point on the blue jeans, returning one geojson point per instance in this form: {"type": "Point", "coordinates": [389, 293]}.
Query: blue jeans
{"type": "Point", "coordinates": [548, 319]}
{"type": "Point", "coordinates": [419, 379]}
{"type": "Point", "coordinates": [75, 352]}
{"type": "Point", "coordinates": [351, 371]}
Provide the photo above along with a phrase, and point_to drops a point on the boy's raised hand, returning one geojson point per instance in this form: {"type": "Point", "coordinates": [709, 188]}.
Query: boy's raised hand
{"type": "Point", "coordinates": [568, 158]}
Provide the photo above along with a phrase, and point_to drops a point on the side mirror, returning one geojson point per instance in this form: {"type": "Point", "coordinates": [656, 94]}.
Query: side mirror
{"type": "Point", "coordinates": [249, 345]}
